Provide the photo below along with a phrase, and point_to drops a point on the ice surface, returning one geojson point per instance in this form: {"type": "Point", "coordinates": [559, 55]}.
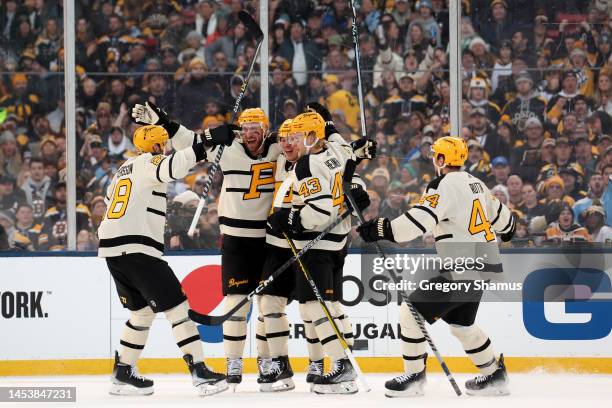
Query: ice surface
{"type": "Point", "coordinates": [538, 390]}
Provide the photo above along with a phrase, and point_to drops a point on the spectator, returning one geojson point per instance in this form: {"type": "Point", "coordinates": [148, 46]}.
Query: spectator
{"type": "Point", "coordinates": [6, 229]}
{"type": "Point", "coordinates": [25, 234]}
{"type": "Point", "coordinates": [515, 194]}
{"type": "Point", "coordinates": [530, 206]}
{"type": "Point", "coordinates": [193, 94]}
{"type": "Point", "coordinates": [595, 194]}
{"type": "Point", "coordinates": [594, 222]}
{"type": "Point", "coordinates": [526, 104]}
{"type": "Point", "coordinates": [501, 170]}
{"type": "Point", "coordinates": [22, 103]}
{"type": "Point", "coordinates": [10, 158]}
{"type": "Point", "coordinates": [206, 19]}
{"type": "Point", "coordinates": [302, 54]}
{"type": "Point", "coordinates": [485, 133]}
{"type": "Point", "coordinates": [500, 27]}
{"type": "Point", "coordinates": [565, 230]}
{"type": "Point", "coordinates": [394, 205]}
{"type": "Point", "coordinates": [231, 46]}
{"type": "Point", "coordinates": [37, 187]}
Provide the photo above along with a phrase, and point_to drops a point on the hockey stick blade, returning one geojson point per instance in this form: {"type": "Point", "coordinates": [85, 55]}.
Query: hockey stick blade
{"type": "Point", "coordinates": [251, 25]}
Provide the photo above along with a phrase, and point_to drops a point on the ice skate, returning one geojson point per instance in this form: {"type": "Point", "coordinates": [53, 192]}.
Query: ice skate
{"type": "Point", "coordinates": [278, 378]}
{"type": "Point", "coordinates": [234, 372]}
{"type": "Point", "coordinates": [263, 367]}
{"type": "Point", "coordinates": [495, 384]}
{"type": "Point", "coordinates": [126, 380]}
{"type": "Point", "coordinates": [204, 379]}
{"type": "Point", "coordinates": [340, 380]}
{"type": "Point", "coordinates": [315, 370]}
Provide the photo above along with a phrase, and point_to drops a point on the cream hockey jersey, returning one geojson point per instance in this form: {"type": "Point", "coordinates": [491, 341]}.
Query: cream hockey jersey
{"type": "Point", "coordinates": [462, 214]}
{"type": "Point", "coordinates": [136, 202]}
{"type": "Point", "coordinates": [284, 169]}
{"type": "Point", "coordinates": [319, 195]}
{"type": "Point", "coordinates": [248, 185]}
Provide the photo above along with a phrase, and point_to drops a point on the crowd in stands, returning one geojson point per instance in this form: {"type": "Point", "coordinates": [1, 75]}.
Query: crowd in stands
{"type": "Point", "coordinates": [537, 100]}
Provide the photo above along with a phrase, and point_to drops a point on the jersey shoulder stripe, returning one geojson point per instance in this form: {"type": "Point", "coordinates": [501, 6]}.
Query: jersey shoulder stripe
{"type": "Point", "coordinates": [427, 210]}
{"type": "Point", "coordinates": [157, 170]}
{"type": "Point", "coordinates": [498, 213]}
{"type": "Point", "coordinates": [435, 183]}
{"type": "Point", "coordinates": [302, 168]}
{"type": "Point", "coordinates": [415, 222]}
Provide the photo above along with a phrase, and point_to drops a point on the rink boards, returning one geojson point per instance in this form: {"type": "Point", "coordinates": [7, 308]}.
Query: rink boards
{"type": "Point", "coordinates": [61, 315]}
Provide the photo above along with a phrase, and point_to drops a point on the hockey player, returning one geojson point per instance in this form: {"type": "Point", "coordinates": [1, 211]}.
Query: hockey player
{"type": "Point", "coordinates": [248, 165]}
{"type": "Point", "coordinates": [131, 239]}
{"type": "Point", "coordinates": [276, 297]}
{"type": "Point", "coordinates": [317, 198]}
{"type": "Point", "coordinates": [471, 227]}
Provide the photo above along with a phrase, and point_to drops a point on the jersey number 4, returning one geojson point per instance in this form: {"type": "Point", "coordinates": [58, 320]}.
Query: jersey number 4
{"type": "Point", "coordinates": [121, 196]}
{"type": "Point", "coordinates": [479, 222]}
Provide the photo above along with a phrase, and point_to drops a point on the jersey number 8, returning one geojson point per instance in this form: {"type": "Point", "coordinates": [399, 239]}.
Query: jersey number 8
{"type": "Point", "coordinates": [121, 196]}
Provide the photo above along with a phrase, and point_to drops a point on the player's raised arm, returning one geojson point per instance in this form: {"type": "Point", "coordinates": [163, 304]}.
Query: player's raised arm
{"type": "Point", "coordinates": [164, 169]}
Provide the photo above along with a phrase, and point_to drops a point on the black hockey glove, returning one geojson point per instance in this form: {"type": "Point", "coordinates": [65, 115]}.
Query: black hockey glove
{"type": "Point", "coordinates": [361, 197]}
{"type": "Point", "coordinates": [285, 220]}
{"type": "Point", "coordinates": [150, 114]}
{"type": "Point", "coordinates": [364, 149]}
{"type": "Point", "coordinates": [330, 128]}
{"type": "Point", "coordinates": [508, 235]}
{"type": "Point", "coordinates": [221, 135]}
{"type": "Point", "coordinates": [376, 230]}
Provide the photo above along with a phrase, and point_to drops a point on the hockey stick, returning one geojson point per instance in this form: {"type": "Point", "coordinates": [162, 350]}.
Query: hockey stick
{"type": "Point", "coordinates": [328, 314]}
{"type": "Point", "coordinates": [404, 297]}
{"type": "Point", "coordinates": [252, 27]}
{"type": "Point", "coordinates": [355, 32]}
{"type": "Point", "coordinates": [210, 320]}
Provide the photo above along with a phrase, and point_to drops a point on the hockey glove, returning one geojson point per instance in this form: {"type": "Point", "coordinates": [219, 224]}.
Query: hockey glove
{"type": "Point", "coordinates": [150, 114]}
{"type": "Point", "coordinates": [376, 230]}
{"type": "Point", "coordinates": [330, 128]}
{"type": "Point", "coordinates": [360, 196]}
{"type": "Point", "coordinates": [364, 149]}
{"type": "Point", "coordinates": [285, 220]}
{"type": "Point", "coordinates": [221, 135]}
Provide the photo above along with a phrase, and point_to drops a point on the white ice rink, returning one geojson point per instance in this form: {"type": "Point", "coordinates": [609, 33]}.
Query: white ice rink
{"type": "Point", "coordinates": [538, 390]}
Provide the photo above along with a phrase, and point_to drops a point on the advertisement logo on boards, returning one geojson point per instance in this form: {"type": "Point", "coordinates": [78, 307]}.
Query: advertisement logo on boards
{"type": "Point", "coordinates": [580, 299]}
{"type": "Point", "coordinates": [22, 304]}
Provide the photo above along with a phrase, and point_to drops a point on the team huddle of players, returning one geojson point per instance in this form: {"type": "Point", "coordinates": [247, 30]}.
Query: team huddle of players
{"type": "Point", "coordinates": [256, 240]}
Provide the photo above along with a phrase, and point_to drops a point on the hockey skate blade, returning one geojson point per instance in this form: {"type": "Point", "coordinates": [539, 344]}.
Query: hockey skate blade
{"type": "Point", "coordinates": [347, 387]}
{"type": "Point", "coordinates": [130, 390]}
{"type": "Point", "coordinates": [286, 384]}
{"type": "Point", "coordinates": [489, 392]}
{"type": "Point", "coordinates": [207, 389]}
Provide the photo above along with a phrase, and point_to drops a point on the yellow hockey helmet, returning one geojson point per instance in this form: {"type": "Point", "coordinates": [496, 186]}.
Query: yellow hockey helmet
{"type": "Point", "coordinates": [308, 122]}
{"type": "Point", "coordinates": [145, 137]}
{"type": "Point", "coordinates": [254, 115]}
{"type": "Point", "coordinates": [285, 128]}
{"type": "Point", "coordinates": [454, 150]}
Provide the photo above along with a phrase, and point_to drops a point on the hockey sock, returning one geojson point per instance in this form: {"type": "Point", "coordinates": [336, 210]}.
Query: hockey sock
{"type": "Point", "coordinates": [315, 350]}
{"type": "Point", "coordinates": [413, 342]}
{"type": "Point", "coordinates": [477, 346]}
{"type": "Point", "coordinates": [263, 349]}
{"type": "Point", "coordinates": [235, 328]}
{"type": "Point", "coordinates": [325, 332]}
{"type": "Point", "coordinates": [185, 332]}
{"type": "Point", "coordinates": [276, 324]}
{"type": "Point", "coordinates": [343, 323]}
{"type": "Point", "coordinates": [135, 335]}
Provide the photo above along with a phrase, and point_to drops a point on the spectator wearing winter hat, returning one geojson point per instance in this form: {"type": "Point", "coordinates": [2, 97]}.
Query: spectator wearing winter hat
{"type": "Point", "coordinates": [194, 93]}
{"type": "Point", "coordinates": [501, 27]}
{"type": "Point", "coordinates": [526, 103]}
{"type": "Point", "coordinates": [501, 170]}
{"type": "Point", "coordinates": [564, 100]}
{"type": "Point", "coordinates": [594, 221]}
{"type": "Point", "coordinates": [565, 230]}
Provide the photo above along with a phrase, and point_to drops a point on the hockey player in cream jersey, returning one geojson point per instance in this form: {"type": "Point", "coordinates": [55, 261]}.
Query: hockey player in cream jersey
{"type": "Point", "coordinates": [317, 198]}
{"type": "Point", "coordinates": [465, 218]}
{"type": "Point", "coordinates": [248, 166]}
{"type": "Point", "coordinates": [131, 240]}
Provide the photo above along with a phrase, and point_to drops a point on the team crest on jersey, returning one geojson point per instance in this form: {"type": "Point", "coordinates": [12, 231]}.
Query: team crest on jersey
{"type": "Point", "coordinates": [157, 159]}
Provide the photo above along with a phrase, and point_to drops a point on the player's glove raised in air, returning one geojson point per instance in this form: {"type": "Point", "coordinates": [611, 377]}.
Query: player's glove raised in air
{"type": "Point", "coordinates": [150, 114]}
{"type": "Point", "coordinates": [221, 135]}
{"type": "Point", "coordinates": [330, 128]}
{"type": "Point", "coordinates": [285, 220]}
{"type": "Point", "coordinates": [376, 230]}
{"type": "Point", "coordinates": [364, 149]}
{"type": "Point", "coordinates": [361, 197]}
